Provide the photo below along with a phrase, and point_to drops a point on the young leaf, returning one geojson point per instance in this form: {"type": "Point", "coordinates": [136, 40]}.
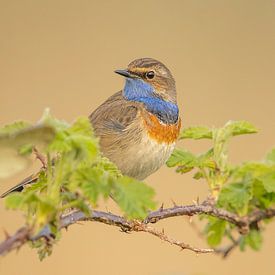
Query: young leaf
{"type": "Point", "coordinates": [91, 182]}
{"type": "Point", "coordinates": [261, 197]}
{"type": "Point", "coordinates": [14, 201]}
{"type": "Point", "coordinates": [270, 158]}
{"type": "Point", "coordinates": [182, 158]}
{"type": "Point", "coordinates": [252, 239]}
{"type": "Point", "coordinates": [236, 197]}
{"type": "Point", "coordinates": [198, 132]}
{"type": "Point", "coordinates": [13, 128]}
{"type": "Point", "coordinates": [215, 230]}
{"type": "Point", "coordinates": [268, 181]}
{"type": "Point", "coordinates": [134, 198]}
{"type": "Point", "coordinates": [240, 128]}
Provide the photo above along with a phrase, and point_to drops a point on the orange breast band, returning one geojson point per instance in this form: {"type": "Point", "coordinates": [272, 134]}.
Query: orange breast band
{"type": "Point", "coordinates": [167, 133]}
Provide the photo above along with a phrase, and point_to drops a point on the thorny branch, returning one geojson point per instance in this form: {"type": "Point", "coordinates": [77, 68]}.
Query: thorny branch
{"type": "Point", "coordinates": [25, 234]}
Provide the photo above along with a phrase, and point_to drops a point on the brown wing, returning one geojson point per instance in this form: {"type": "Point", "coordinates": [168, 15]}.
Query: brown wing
{"type": "Point", "coordinates": [109, 120]}
{"type": "Point", "coordinates": [20, 186]}
{"type": "Point", "coordinates": [114, 115]}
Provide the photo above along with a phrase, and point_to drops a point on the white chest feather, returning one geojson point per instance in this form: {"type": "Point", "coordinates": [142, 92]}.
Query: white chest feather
{"type": "Point", "coordinates": [146, 157]}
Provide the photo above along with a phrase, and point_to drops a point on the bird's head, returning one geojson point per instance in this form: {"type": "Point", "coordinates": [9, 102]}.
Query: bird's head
{"type": "Point", "coordinates": [148, 78]}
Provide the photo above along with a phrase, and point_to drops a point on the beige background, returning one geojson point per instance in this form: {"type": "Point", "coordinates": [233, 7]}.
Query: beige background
{"type": "Point", "coordinates": [61, 54]}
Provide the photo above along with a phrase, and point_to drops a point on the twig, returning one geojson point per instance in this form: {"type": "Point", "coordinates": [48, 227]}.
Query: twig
{"type": "Point", "coordinates": [160, 234]}
{"type": "Point", "coordinates": [16, 241]}
{"type": "Point", "coordinates": [40, 157]}
{"type": "Point", "coordinates": [225, 251]}
{"type": "Point", "coordinates": [242, 223]}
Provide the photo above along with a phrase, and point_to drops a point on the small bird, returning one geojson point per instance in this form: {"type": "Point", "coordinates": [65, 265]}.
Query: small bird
{"type": "Point", "coordinates": [139, 125]}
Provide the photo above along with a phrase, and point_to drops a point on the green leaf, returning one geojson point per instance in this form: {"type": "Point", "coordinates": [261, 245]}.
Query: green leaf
{"type": "Point", "coordinates": [13, 144]}
{"type": "Point", "coordinates": [182, 158]}
{"type": "Point", "coordinates": [38, 134]}
{"type": "Point", "coordinates": [198, 132]}
{"type": "Point", "coordinates": [261, 198]}
{"type": "Point", "coordinates": [92, 182]}
{"type": "Point", "coordinates": [215, 230]}
{"type": "Point", "coordinates": [26, 149]}
{"type": "Point", "coordinates": [107, 165]}
{"type": "Point", "coordinates": [78, 140]}
{"type": "Point", "coordinates": [206, 160]}
{"type": "Point", "coordinates": [14, 201]}
{"type": "Point", "coordinates": [240, 128]}
{"type": "Point", "coordinates": [252, 239]}
{"type": "Point", "coordinates": [268, 181]}
{"type": "Point", "coordinates": [261, 171]}
{"type": "Point", "coordinates": [198, 175]}
{"type": "Point", "coordinates": [134, 198]}
{"type": "Point", "coordinates": [270, 158]}
{"type": "Point", "coordinates": [234, 127]}
{"type": "Point", "coordinates": [49, 120]}
{"type": "Point", "coordinates": [235, 197]}
{"type": "Point", "coordinates": [13, 128]}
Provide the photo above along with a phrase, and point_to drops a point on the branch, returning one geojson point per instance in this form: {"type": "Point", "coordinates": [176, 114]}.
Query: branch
{"type": "Point", "coordinates": [225, 251]}
{"type": "Point", "coordinates": [25, 234]}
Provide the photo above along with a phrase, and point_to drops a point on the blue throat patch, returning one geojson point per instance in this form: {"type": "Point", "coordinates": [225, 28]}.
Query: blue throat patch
{"type": "Point", "coordinates": [140, 91]}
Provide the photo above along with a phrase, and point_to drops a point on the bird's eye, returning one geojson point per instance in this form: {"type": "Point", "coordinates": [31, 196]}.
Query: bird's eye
{"type": "Point", "coordinates": [150, 75]}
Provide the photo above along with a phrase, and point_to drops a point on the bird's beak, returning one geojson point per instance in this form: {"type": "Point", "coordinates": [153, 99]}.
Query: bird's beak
{"type": "Point", "coordinates": [125, 73]}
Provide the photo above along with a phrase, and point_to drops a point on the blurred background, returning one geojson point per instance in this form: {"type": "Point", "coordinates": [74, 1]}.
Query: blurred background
{"type": "Point", "coordinates": [62, 54]}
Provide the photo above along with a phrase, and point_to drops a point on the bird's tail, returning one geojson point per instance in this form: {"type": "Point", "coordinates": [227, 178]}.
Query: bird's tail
{"type": "Point", "coordinates": [20, 186]}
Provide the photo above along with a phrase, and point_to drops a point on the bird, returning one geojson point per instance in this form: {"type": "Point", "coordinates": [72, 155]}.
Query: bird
{"type": "Point", "coordinates": [138, 126]}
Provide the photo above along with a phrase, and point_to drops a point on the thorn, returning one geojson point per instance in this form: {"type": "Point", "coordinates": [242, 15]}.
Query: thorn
{"type": "Point", "coordinates": [162, 231]}
{"type": "Point", "coordinates": [124, 230]}
{"type": "Point", "coordinates": [190, 219]}
{"type": "Point", "coordinates": [198, 200]}
{"type": "Point", "coordinates": [161, 207]}
{"type": "Point", "coordinates": [7, 235]}
{"type": "Point", "coordinates": [175, 205]}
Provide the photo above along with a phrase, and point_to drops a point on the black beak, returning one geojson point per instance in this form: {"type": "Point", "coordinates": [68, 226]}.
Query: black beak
{"type": "Point", "coordinates": [123, 73]}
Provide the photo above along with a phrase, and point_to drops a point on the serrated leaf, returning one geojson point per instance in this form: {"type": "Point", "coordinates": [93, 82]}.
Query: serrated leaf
{"type": "Point", "coordinates": [106, 164]}
{"type": "Point", "coordinates": [206, 160]}
{"type": "Point", "coordinates": [236, 197]}
{"type": "Point", "coordinates": [262, 199]}
{"type": "Point", "coordinates": [240, 128]}
{"type": "Point", "coordinates": [268, 181]}
{"type": "Point", "coordinates": [37, 134]}
{"type": "Point", "coordinates": [78, 140]}
{"type": "Point", "coordinates": [91, 182]}
{"type": "Point", "coordinates": [260, 171]}
{"type": "Point", "coordinates": [181, 158]}
{"type": "Point", "coordinates": [13, 128]}
{"type": "Point", "coordinates": [133, 197]}
{"type": "Point", "coordinates": [198, 132]}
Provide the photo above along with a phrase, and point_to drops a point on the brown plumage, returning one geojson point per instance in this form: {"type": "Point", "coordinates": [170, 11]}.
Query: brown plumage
{"type": "Point", "coordinates": [130, 136]}
{"type": "Point", "coordinates": [139, 125]}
